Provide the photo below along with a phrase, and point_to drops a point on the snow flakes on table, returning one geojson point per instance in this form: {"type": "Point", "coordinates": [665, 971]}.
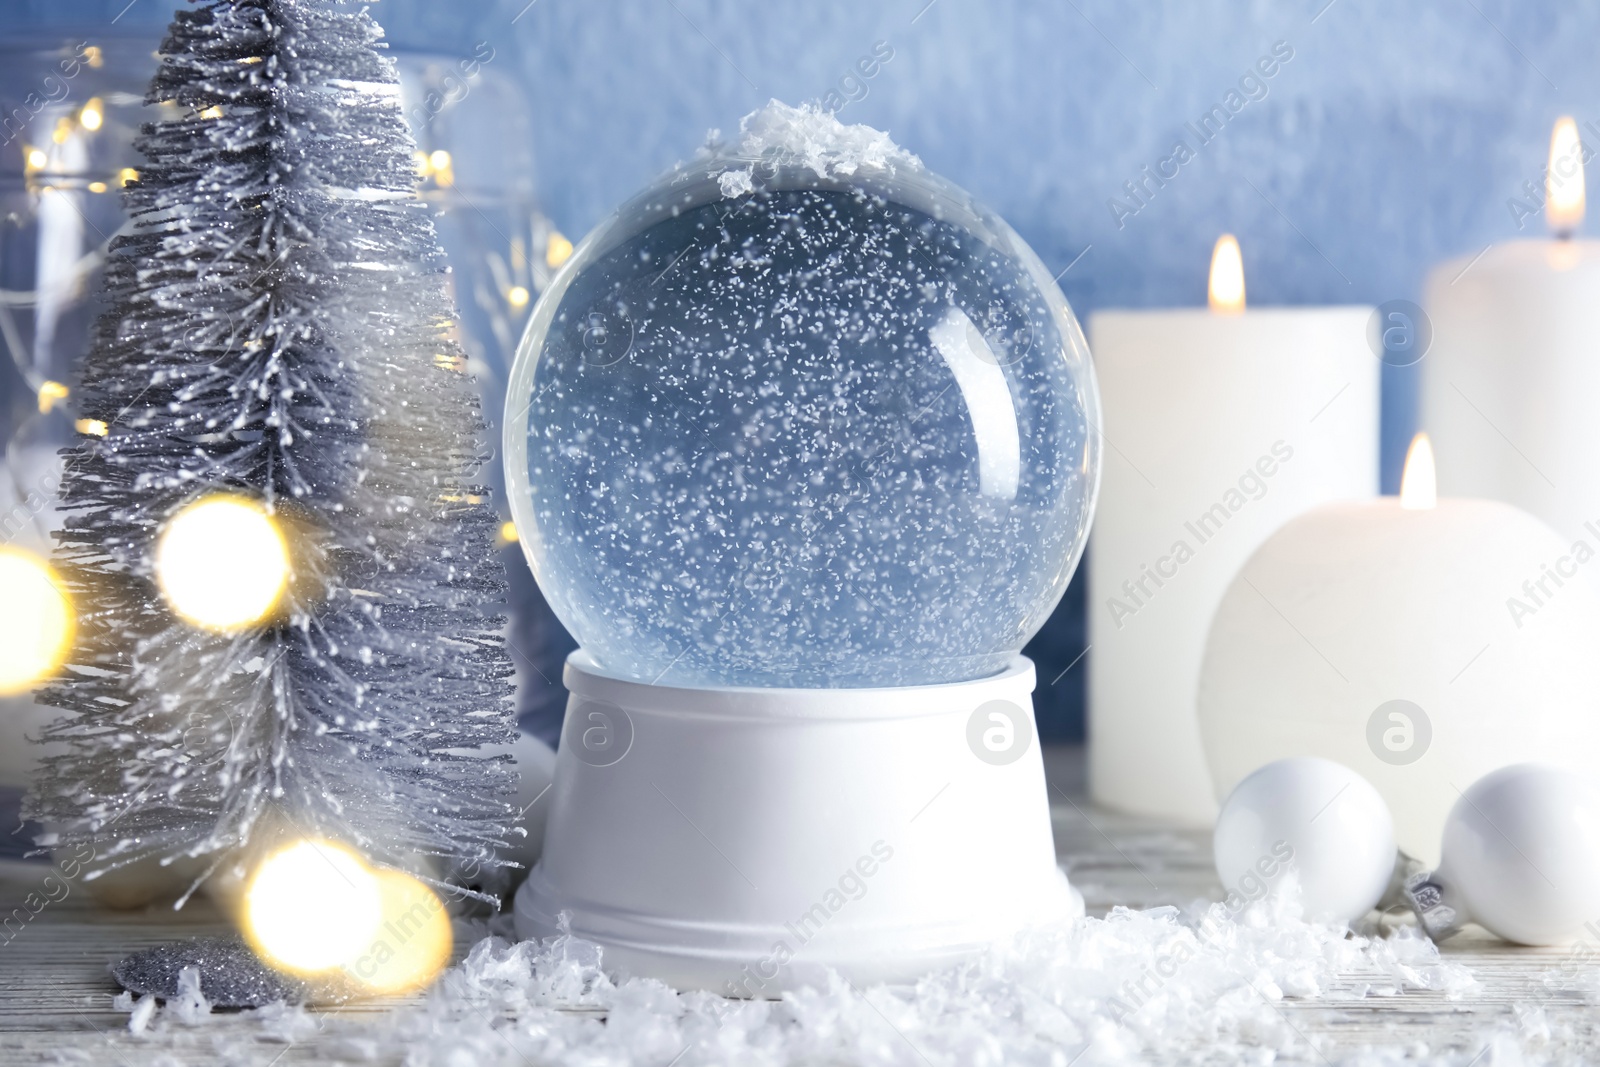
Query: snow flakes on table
{"type": "Point", "coordinates": [1158, 986]}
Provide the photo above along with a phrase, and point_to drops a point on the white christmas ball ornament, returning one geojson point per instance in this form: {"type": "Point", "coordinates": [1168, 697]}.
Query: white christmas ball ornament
{"type": "Point", "coordinates": [1314, 815]}
{"type": "Point", "coordinates": [1521, 858]}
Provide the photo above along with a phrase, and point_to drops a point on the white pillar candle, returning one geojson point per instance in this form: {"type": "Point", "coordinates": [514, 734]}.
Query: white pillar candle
{"type": "Point", "coordinates": [1219, 425]}
{"type": "Point", "coordinates": [1398, 637]}
{"type": "Point", "coordinates": [1512, 384]}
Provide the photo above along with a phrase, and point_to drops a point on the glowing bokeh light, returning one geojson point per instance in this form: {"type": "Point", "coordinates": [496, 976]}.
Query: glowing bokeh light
{"type": "Point", "coordinates": [37, 624]}
{"type": "Point", "coordinates": [221, 563]}
{"type": "Point", "coordinates": [557, 251]}
{"type": "Point", "coordinates": [49, 393]}
{"type": "Point", "coordinates": [412, 942]}
{"type": "Point", "coordinates": [311, 907]}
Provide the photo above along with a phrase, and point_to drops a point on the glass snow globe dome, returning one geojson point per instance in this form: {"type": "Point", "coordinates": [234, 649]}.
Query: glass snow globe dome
{"type": "Point", "coordinates": [802, 415]}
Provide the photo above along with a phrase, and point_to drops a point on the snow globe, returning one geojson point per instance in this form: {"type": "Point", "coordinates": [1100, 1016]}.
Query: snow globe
{"type": "Point", "coordinates": [800, 445]}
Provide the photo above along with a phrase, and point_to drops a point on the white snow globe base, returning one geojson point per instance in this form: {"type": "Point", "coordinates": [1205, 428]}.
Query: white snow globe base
{"type": "Point", "coordinates": [742, 841]}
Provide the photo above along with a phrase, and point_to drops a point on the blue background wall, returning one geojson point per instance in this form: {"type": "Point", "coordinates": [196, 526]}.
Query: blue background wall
{"type": "Point", "coordinates": [1394, 136]}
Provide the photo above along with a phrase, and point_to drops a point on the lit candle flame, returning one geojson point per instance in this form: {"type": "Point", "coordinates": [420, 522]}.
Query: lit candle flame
{"type": "Point", "coordinates": [1563, 182]}
{"type": "Point", "coordinates": [1419, 485]}
{"type": "Point", "coordinates": [1226, 291]}
{"type": "Point", "coordinates": [37, 624]}
{"type": "Point", "coordinates": [222, 563]}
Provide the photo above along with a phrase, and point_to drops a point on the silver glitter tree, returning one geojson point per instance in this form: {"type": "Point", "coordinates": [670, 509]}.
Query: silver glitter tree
{"type": "Point", "coordinates": [278, 327]}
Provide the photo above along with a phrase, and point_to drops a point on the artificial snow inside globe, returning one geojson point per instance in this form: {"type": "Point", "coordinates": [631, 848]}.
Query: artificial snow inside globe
{"type": "Point", "coordinates": [800, 447]}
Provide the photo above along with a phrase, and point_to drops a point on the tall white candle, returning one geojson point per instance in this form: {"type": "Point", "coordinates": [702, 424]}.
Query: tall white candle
{"type": "Point", "coordinates": [1512, 384]}
{"type": "Point", "coordinates": [1219, 425]}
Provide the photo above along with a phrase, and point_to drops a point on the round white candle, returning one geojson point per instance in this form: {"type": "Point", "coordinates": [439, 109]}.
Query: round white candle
{"type": "Point", "coordinates": [1464, 609]}
{"type": "Point", "coordinates": [1218, 428]}
{"type": "Point", "coordinates": [1512, 384]}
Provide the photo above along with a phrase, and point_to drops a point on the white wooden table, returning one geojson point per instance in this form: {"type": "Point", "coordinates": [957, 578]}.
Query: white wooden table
{"type": "Point", "coordinates": [56, 994]}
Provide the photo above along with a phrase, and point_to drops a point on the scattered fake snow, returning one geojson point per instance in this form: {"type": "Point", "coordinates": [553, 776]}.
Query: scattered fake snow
{"type": "Point", "coordinates": [1157, 986]}
{"type": "Point", "coordinates": [736, 182]}
{"type": "Point", "coordinates": [813, 138]}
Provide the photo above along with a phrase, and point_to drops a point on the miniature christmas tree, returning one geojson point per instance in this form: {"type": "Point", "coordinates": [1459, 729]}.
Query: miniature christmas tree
{"type": "Point", "coordinates": [279, 333]}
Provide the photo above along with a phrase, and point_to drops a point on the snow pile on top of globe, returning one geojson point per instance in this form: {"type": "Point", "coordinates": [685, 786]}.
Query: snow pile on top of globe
{"type": "Point", "coordinates": [802, 414]}
{"type": "Point", "coordinates": [811, 138]}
